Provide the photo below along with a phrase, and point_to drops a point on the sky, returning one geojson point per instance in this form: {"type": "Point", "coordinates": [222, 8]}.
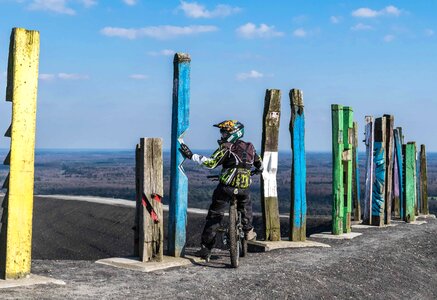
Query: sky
{"type": "Point", "coordinates": [106, 67]}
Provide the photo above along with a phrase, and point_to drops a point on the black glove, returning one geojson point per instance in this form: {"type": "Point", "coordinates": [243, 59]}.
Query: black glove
{"type": "Point", "coordinates": [186, 151]}
{"type": "Point", "coordinates": [257, 171]}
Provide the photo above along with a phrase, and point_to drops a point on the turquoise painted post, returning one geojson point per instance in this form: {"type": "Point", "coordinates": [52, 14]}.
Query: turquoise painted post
{"type": "Point", "coordinates": [378, 196]}
{"type": "Point", "coordinates": [178, 179]}
{"type": "Point", "coordinates": [399, 180]}
{"type": "Point", "coordinates": [298, 175]}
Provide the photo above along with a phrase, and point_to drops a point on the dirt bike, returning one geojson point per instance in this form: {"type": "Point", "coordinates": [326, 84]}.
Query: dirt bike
{"type": "Point", "coordinates": [233, 235]}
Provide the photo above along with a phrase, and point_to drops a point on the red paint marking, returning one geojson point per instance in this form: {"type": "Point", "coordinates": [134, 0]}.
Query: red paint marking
{"type": "Point", "coordinates": [149, 207]}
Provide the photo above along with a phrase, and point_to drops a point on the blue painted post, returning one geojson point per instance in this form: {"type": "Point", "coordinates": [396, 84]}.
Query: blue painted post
{"type": "Point", "coordinates": [178, 179]}
{"type": "Point", "coordinates": [298, 169]}
{"type": "Point", "coordinates": [398, 176]}
{"type": "Point", "coordinates": [378, 195]}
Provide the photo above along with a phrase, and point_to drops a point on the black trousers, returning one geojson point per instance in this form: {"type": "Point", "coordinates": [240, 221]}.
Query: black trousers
{"type": "Point", "coordinates": [220, 203]}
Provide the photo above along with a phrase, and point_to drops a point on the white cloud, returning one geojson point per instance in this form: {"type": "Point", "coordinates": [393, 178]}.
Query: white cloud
{"type": "Point", "coordinates": [361, 26]}
{"type": "Point", "coordinates": [57, 6]}
{"type": "Point", "coordinates": [138, 76]}
{"type": "Point", "coordinates": [365, 12]}
{"type": "Point", "coordinates": [335, 19]}
{"type": "Point", "coordinates": [62, 76]}
{"type": "Point", "coordinates": [389, 38]}
{"type": "Point", "coordinates": [130, 2]}
{"type": "Point", "coordinates": [158, 32]}
{"type": "Point", "coordinates": [46, 77]}
{"type": "Point", "coordinates": [300, 33]}
{"type": "Point", "coordinates": [250, 75]}
{"type": "Point", "coordinates": [195, 10]}
{"type": "Point", "coordinates": [165, 52]}
{"type": "Point", "coordinates": [429, 32]}
{"type": "Point", "coordinates": [89, 3]}
{"type": "Point", "coordinates": [300, 19]}
{"type": "Point", "coordinates": [250, 30]}
{"type": "Point", "coordinates": [72, 76]}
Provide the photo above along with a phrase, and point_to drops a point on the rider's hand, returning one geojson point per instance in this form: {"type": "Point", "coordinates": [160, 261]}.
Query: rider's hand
{"type": "Point", "coordinates": [186, 151]}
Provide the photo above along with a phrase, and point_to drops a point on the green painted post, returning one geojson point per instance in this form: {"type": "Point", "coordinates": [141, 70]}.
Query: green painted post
{"type": "Point", "coordinates": [410, 184]}
{"type": "Point", "coordinates": [348, 134]}
{"type": "Point", "coordinates": [337, 169]}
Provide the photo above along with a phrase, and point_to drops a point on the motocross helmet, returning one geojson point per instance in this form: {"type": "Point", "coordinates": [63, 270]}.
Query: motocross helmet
{"type": "Point", "coordinates": [231, 130]}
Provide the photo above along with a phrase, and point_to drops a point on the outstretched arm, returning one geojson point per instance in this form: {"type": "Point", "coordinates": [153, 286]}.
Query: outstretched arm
{"type": "Point", "coordinates": [212, 162]}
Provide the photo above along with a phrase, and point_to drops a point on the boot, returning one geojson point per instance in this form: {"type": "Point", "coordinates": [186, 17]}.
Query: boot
{"type": "Point", "coordinates": [204, 252]}
{"type": "Point", "coordinates": [251, 235]}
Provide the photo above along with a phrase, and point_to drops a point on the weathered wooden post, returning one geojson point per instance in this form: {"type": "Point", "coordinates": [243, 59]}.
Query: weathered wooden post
{"type": "Point", "coordinates": [398, 176]}
{"type": "Point", "coordinates": [178, 179]}
{"type": "Point", "coordinates": [409, 184]}
{"type": "Point", "coordinates": [269, 152]}
{"type": "Point", "coordinates": [389, 145]}
{"type": "Point", "coordinates": [337, 169]}
{"type": "Point", "coordinates": [356, 176]}
{"type": "Point", "coordinates": [298, 168]}
{"type": "Point", "coordinates": [417, 181]}
{"type": "Point", "coordinates": [150, 193]}
{"type": "Point", "coordinates": [423, 181]}
{"type": "Point", "coordinates": [378, 201]}
{"type": "Point", "coordinates": [21, 90]}
{"type": "Point", "coordinates": [369, 141]}
{"type": "Point", "coordinates": [348, 127]}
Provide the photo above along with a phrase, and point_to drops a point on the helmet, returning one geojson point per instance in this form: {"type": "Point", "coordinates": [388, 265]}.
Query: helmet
{"type": "Point", "coordinates": [231, 130]}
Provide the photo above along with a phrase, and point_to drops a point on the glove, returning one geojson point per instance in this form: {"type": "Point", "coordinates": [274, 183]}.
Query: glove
{"type": "Point", "coordinates": [186, 152]}
{"type": "Point", "coordinates": [258, 171]}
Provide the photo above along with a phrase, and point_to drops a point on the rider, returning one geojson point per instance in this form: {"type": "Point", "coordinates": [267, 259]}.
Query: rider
{"type": "Point", "coordinates": [236, 158]}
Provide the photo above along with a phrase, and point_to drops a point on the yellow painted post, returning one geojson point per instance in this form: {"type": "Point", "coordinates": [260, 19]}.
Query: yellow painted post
{"type": "Point", "coordinates": [22, 86]}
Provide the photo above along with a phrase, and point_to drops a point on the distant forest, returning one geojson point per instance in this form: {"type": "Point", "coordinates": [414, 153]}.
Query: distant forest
{"type": "Point", "coordinates": [111, 174]}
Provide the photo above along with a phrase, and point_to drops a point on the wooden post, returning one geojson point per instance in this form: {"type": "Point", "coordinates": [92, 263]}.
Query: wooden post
{"type": "Point", "coordinates": [269, 152]}
{"type": "Point", "coordinates": [409, 184]}
{"type": "Point", "coordinates": [389, 147]}
{"type": "Point", "coordinates": [151, 228]}
{"type": "Point", "coordinates": [378, 196]}
{"type": "Point", "coordinates": [369, 141]}
{"type": "Point", "coordinates": [423, 181]}
{"type": "Point", "coordinates": [417, 181]}
{"type": "Point", "coordinates": [138, 195]}
{"type": "Point", "coordinates": [178, 179]}
{"type": "Point", "coordinates": [298, 168]}
{"type": "Point", "coordinates": [337, 169]}
{"type": "Point", "coordinates": [356, 176]}
{"type": "Point", "coordinates": [398, 176]}
{"type": "Point", "coordinates": [21, 90]}
{"type": "Point", "coordinates": [348, 133]}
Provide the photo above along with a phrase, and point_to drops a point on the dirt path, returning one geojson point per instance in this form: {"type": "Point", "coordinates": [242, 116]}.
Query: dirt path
{"type": "Point", "coordinates": [390, 263]}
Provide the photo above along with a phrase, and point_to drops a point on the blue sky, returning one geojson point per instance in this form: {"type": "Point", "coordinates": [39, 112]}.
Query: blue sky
{"type": "Point", "coordinates": [106, 66]}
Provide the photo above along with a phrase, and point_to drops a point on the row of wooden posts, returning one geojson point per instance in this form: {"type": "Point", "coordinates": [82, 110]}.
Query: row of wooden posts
{"type": "Point", "coordinates": [383, 144]}
{"type": "Point", "coordinates": [390, 173]}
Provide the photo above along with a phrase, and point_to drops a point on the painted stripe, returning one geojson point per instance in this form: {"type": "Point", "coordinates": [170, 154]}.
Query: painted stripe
{"type": "Point", "coordinates": [270, 164]}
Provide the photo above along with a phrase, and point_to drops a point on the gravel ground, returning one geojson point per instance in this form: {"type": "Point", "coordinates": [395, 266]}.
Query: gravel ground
{"type": "Point", "coordinates": [389, 263]}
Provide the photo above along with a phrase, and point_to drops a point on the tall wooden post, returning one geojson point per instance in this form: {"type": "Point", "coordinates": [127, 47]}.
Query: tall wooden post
{"type": "Point", "coordinates": [398, 176]}
{"type": "Point", "coordinates": [298, 168]}
{"type": "Point", "coordinates": [356, 176]}
{"type": "Point", "coordinates": [21, 90]}
{"type": "Point", "coordinates": [138, 194]}
{"type": "Point", "coordinates": [269, 152]}
{"type": "Point", "coordinates": [378, 201]}
{"type": "Point", "coordinates": [348, 127]}
{"type": "Point", "coordinates": [369, 141]}
{"type": "Point", "coordinates": [409, 184]}
{"type": "Point", "coordinates": [337, 169]}
{"type": "Point", "coordinates": [389, 147]}
{"type": "Point", "coordinates": [151, 228]}
{"type": "Point", "coordinates": [423, 181]}
{"type": "Point", "coordinates": [417, 204]}
{"type": "Point", "coordinates": [178, 179]}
